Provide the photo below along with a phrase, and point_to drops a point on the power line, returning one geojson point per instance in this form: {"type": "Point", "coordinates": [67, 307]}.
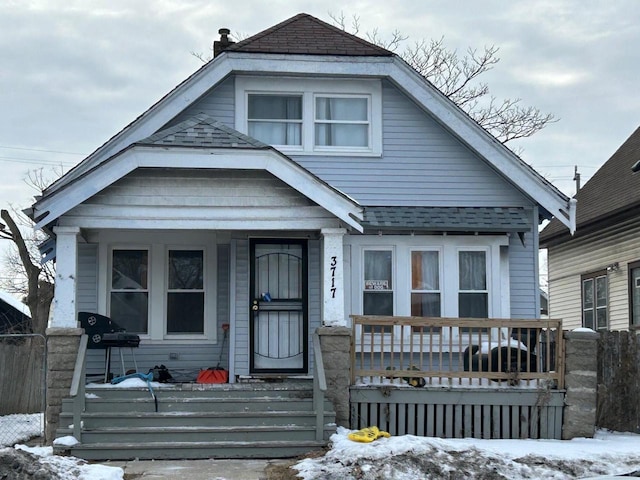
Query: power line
{"type": "Point", "coordinates": [42, 150]}
{"type": "Point", "coordinates": [35, 161]}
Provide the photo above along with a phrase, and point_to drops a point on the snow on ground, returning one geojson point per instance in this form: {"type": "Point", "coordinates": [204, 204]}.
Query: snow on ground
{"type": "Point", "coordinates": [404, 457]}
{"type": "Point", "coordinates": [415, 458]}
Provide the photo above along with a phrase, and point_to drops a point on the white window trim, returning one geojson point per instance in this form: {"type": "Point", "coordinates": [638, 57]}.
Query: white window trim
{"type": "Point", "coordinates": [157, 278]}
{"type": "Point", "coordinates": [309, 89]}
{"type": "Point", "coordinates": [497, 272]}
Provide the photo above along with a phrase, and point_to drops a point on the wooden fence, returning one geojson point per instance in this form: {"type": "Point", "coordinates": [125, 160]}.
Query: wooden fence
{"type": "Point", "coordinates": [22, 374]}
{"type": "Point", "coordinates": [618, 397]}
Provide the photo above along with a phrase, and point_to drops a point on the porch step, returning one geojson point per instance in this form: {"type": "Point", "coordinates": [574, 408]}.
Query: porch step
{"type": "Point", "coordinates": [194, 421]}
{"type": "Point", "coordinates": [194, 450]}
{"type": "Point", "coordinates": [181, 434]}
{"type": "Point", "coordinates": [97, 420]}
{"type": "Point", "coordinates": [197, 404]}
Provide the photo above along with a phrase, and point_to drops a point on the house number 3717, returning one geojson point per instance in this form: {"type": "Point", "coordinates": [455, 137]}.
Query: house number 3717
{"type": "Point", "coordinates": [332, 267]}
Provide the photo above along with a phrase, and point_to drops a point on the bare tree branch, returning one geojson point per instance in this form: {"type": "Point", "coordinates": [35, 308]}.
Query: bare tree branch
{"type": "Point", "coordinates": [457, 77]}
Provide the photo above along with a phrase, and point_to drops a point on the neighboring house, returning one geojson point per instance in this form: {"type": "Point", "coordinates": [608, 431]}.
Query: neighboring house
{"type": "Point", "coordinates": [301, 176]}
{"type": "Point", "coordinates": [594, 276]}
{"type": "Point", "coordinates": [14, 315]}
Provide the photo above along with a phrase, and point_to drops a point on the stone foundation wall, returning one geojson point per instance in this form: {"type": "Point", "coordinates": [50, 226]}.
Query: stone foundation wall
{"type": "Point", "coordinates": [62, 349]}
{"type": "Point", "coordinates": [336, 354]}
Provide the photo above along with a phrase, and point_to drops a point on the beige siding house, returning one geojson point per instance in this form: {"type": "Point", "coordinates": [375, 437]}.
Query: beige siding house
{"type": "Point", "coordinates": [594, 276]}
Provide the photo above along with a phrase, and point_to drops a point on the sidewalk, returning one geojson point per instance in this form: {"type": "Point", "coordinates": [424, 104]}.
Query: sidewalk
{"type": "Point", "coordinates": [195, 469]}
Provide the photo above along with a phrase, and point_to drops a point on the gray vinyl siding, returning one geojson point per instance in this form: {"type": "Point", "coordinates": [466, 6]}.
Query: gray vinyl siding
{"type": "Point", "coordinates": [315, 294]}
{"type": "Point", "coordinates": [523, 276]}
{"type": "Point", "coordinates": [195, 195]}
{"type": "Point", "coordinates": [218, 103]}
{"type": "Point", "coordinates": [87, 286]}
{"type": "Point", "coordinates": [241, 320]}
{"type": "Point", "coordinates": [568, 262]}
{"type": "Point", "coordinates": [422, 164]}
{"type": "Point", "coordinates": [191, 358]}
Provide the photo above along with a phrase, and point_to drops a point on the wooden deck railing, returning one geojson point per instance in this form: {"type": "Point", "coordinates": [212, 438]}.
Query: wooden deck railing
{"type": "Point", "coordinates": [451, 352]}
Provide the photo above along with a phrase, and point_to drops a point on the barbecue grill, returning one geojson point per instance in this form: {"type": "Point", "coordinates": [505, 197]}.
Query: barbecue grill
{"type": "Point", "coordinates": [106, 334]}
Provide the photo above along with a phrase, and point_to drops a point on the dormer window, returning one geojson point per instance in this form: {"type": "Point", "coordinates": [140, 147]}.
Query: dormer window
{"type": "Point", "coordinates": [342, 122]}
{"type": "Point", "coordinates": [275, 119]}
{"type": "Point", "coordinates": [310, 116]}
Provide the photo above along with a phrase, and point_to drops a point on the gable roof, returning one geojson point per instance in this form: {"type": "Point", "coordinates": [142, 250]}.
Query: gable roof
{"type": "Point", "coordinates": [310, 60]}
{"type": "Point", "coordinates": [611, 195]}
{"type": "Point", "coordinates": [198, 142]}
{"type": "Point", "coordinates": [307, 35]}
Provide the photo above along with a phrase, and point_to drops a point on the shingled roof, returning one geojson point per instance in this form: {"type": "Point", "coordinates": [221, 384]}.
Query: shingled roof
{"type": "Point", "coordinates": [202, 131]}
{"type": "Point", "coordinates": [307, 35]}
{"type": "Point", "coordinates": [611, 195]}
{"type": "Point", "coordinates": [447, 219]}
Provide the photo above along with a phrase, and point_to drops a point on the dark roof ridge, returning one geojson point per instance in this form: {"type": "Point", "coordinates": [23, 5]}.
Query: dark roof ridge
{"type": "Point", "coordinates": [249, 42]}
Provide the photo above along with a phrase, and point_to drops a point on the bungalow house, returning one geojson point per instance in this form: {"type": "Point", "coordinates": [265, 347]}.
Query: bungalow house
{"type": "Point", "coordinates": [594, 276]}
{"type": "Point", "coordinates": [301, 176]}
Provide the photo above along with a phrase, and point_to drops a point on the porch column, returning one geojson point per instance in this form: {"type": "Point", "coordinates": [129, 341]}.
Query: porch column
{"type": "Point", "coordinates": [64, 300]}
{"type": "Point", "coordinates": [333, 278]}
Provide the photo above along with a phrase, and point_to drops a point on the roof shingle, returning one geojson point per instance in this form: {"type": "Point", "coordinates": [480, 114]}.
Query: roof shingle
{"type": "Point", "coordinates": [202, 131]}
{"type": "Point", "coordinates": [447, 219]}
{"type": "Point", "coordinates": [612, 190]}
{"type": "Point", "coordinates": [304, 34]}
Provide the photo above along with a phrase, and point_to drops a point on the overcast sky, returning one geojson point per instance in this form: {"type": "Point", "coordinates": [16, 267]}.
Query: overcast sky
{"type": "Point", "coordinates": [74, 72]}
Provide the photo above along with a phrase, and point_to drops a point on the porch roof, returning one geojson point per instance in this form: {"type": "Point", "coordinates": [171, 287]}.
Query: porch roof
{"type": "Point", "coordinates": [199, 142]}
{"type": "Point", "coordinates": [448, 219]}
{"type": "Point", "coordinates": [202, 131]}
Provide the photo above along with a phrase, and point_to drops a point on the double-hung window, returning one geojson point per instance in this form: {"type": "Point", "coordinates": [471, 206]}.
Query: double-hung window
{"type": "Point", "coordinates": [307, 116]}
{"type": "Point", "coordinates": [129, 294]}
{"type": "Point", "coordinates": [634, 294]}
{"type": "Point", "coordinates": [342, 121]}
{"type": "Point", "coordinates": [275, 119]}
{"type": "Point", "coordinates": [425, 283]}
{"type": "Point", "coordinates": [378, 282]}
{"type": "Point", "coordinates": [185, 293]}
{"type": "Point", "coordinates": [595, 300]}
{"type": "Point", "coordinates": [473, 295]}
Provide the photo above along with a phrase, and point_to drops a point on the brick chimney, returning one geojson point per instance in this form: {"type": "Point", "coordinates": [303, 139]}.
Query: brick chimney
{"type": "Point", "coordinates": [221, 45]}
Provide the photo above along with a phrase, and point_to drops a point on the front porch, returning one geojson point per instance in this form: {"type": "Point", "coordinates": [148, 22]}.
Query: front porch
{"type": "Point", "coordinates": [456, 378]}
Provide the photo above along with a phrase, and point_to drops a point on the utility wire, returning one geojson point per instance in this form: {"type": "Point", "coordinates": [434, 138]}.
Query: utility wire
{"type": "Point", "coordinates": [42, 150]}
{"type": "Point", "coordinates": [35, 161]}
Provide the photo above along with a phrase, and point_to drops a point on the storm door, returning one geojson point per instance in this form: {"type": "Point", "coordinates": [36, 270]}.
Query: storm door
{"type": "Point", "coordinates": [278, 327]}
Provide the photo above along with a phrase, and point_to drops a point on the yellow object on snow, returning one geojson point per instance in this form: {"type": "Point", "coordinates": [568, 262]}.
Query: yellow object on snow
{"type": "Point", "coordinates": [367, 435]}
